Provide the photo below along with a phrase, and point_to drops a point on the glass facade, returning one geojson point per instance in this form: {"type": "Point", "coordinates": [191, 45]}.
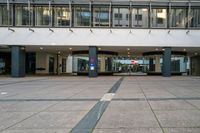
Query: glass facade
{"type": "Point", "coordinates": [120, 17]}
{"type": "Point", "coordinates": [194, 18]}
{"type": "Point", "coordinates": [86, 15]}
{"type": "Point", "coordinates": [159, 18]}
{"type": "Point", "coordinates": [140, 17]}
{"type": "Point", "coordinates": [178, 18]}
{"type": "Point", "coordinates": [101, 17]}
{"type": "Point", "coordinates": [22, 14]}
{"type": "Point", "coordinates": [42, 16]}
{"type": "Point", "coordinates": [5, 18]}
{"type": "Point", "coordinates": [82, 16]}
{"type": "Point", "coordinates": [155, 63]}
{"type": "Point", "coordinates": [61, 16]}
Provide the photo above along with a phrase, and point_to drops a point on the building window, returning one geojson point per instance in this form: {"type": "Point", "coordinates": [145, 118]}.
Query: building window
{"type": "Point", "coordinates": [101, 17]}
{"type": "Point", "coordinates": [159, 18]}
{"type": "Point", "coordinates": [22, 15]}
{"type": "Point", "coordinates": [82, 16]}
{"type": "Point", "coordinates": [140, 17]}
{"type": "Point", "coordinates": [4, 15]}
{"type": "Point", "coordinates": [178, 18]}
{"type": "Point", "coordinates": [42, 16]}
{"type": "Point", "coordinates": [194, 18]}
{"type": "Point", "coordinates": [62, 16]}
{"type": "Point", "coordinates": [120, 17]}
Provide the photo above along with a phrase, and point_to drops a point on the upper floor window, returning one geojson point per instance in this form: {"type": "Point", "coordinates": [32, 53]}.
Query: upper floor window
{"type": "Point", "coordinates": [178, 18]}
{"type": "Point", "coordinates": [82, 16]}
{"type": "Point", "coordinates": [23, 15]}
{"type": "Point", "coordinates": [194, 18]}
{"type": "Point", "coordinates": [42, 16]}
{"type": "Point", "coordinates": [62, 16]}
{"type": "Point", "coordinates": [120, 17]}
{"type": "Point", "coordinates": [5, 17]}
{"type": "Point", "coordinates": [140, 17]}
{"type": "Point", "coordinates": [159, 18]}
{"type": "Point", "coordinates": [101, 17]}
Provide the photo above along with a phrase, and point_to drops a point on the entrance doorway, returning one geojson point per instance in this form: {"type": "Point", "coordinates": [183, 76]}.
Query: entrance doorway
{"type": "Point", "coordinates": [51, 65]}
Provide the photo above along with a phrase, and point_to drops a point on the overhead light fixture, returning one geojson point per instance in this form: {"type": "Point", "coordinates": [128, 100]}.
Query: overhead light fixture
{"type": "Point", "coordinates": [156, 49]}
{"type": "Point", "coordinates": [51, 30]}
{"type": "Point", "coordinates": [99, 48]}
{"type": "Point", "coordinates": [22, 48]}
{"type": "Point", "coordinates": [58, 52]}
{"type": "Point", "coordinates": [128, 49]}
{"type": "Point", "coordinates": [71, 30]}
{"type": "Point", "coordinates": [70, 49]}
{"type": "Point", "coordinates": [163, 49]}
{"type": "Point", "coordinates": [184, 49]}
{"type": "Point", "coordinates": [196, 53]}
{"type": "Point", "coordinates": [41, 48]}
{"type": "Point", "coordinates": [144, 10]}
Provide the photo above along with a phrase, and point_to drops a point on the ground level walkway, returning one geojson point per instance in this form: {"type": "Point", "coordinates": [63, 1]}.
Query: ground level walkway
{"type": "Point", "coordinates": [106, 104]}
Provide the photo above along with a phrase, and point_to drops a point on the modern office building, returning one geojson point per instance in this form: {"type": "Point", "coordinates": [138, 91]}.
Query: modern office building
{"type": "Point", "coordinates": [82, 37]}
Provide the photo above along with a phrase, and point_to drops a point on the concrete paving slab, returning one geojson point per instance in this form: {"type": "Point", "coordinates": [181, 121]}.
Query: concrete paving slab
{"type": "Point", "coordinates": [8, 119]}
{"type": "Point", "coordinates": [72, 106]}
{"type": "Point", "coordinates": [29, 106]}
{"type": "Point", "coordinates": [37, 131]}
{"type": "Point", "coordinates": [195, 103]}
{"type": "Point", "coordinates": [179, 118]}
{"type": "Point", "coordinates": [45, 120]}
{"type": "Point", "coordinates": [129, 130]}
{"type": "Point", "coordinates": [182, 130]}
{"type": "Point", "coordinates": [171, 105]}
{"type": "Point", "coordinates": [113, 118]}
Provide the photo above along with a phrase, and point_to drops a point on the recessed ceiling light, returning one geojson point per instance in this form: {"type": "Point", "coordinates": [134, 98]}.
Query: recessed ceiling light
{"type": "Point", "coordinates": [41, 48]}
{"type": "Point", "coordinates": [196, 53]}
{"type": "Point", "coordinates": [99, 48]}
{"type": "Point", "coordinates": [184, 49]}
{"type": "Point", "coordinates": [156, 49]}
{"type": "Point", "coordinates": [70, 48]}
{"type": "Point", "coordinates": [128, 49]}
{"type": "Point", "coordinates": [58, 52]}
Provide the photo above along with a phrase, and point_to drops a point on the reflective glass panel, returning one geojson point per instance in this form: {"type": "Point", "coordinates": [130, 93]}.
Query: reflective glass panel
{"type": "Point", "coordinates": [101, 17]}
{"type": "Point", "coordinates": [194, 18]}
{"type": "Point", "coordinates": [178, 18]}
{"type": "Point", "coordinates": [159, 18]}
{"type": "Point", "coordinates": [42, 16]}
{"type": "Point", "coordinates": [22, 15]}
{"type": "Point", "coordinates": [140, 17]}
{"type": "Point", "coordinates": [4, 15]}
{"type": "Point", "coordinates": [120, 17]}
{"type": "Point", "coordinates": [62, 16]}
{"type": "Point", "coordinates": [81, 16]}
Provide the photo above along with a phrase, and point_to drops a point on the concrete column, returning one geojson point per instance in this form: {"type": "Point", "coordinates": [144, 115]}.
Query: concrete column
{"type": "Point", "coordinates": [93, 61]}
{"type": "Point", "coordinates": [17, 61]}
{"type": "Point", "coordinates": [69, 64]}
{"type": "Point", "coordinates": [166, 71]}
{"type": "Point", "coordinates": [103, 63]}
{"type": "Point", "coordinates": [157, 64]}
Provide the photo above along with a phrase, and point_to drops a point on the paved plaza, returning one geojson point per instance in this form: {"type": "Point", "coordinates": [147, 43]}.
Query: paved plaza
{"type": "Point", "coordinates": [106, 104]}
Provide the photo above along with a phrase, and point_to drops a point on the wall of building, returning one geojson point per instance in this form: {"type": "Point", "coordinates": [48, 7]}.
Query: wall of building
{"type": "Point", "coordinates": [100, 37]}
{"type": "Point", "coordinates": [42, 61]}
{"type": "Point", "coordinates": [195, 66]}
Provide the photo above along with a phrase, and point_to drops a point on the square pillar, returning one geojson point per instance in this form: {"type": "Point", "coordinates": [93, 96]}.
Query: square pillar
{"type": "Point", "coordinates": [17, 61]}
{"type": "Point", "coordinates": [93, 61]}
{"type": "Point", "coordinates": [166, 71]}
